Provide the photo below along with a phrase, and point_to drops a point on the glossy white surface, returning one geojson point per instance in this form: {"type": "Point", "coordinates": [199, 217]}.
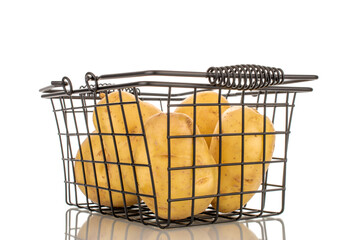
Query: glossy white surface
{"type": "Point", "coordinates": [41, 41]}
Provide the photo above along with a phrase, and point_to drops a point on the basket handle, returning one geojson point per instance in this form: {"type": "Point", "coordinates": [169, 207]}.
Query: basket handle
{"type": "Point", "coordinates": [240, 77]}
{"type": "Point", "coordinates": [65, 82]}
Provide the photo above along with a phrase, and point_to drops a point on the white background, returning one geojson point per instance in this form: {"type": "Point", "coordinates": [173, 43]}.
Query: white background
{"type": "Point", "coordinates": [41, 41]}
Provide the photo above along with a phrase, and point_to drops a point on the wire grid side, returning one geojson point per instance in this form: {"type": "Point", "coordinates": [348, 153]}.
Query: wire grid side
{"type": "Point", "coordinates": [74, 117]}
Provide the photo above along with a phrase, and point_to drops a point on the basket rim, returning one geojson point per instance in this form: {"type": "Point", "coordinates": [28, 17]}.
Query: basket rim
{"type": "Point", "coordinates": [61, 93]}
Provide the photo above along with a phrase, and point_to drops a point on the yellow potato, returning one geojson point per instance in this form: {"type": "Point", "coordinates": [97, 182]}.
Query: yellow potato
{"type": "Point", "coordinates": [118, 126]}
{"type": "Point", "coordinates": [101, 175]}
{"type": "Point", "coordinates": [231, 146]}
{"type": "Point", "coordinates": [206, 116]}
{"type": "Point", "coordinates": [181, 153]}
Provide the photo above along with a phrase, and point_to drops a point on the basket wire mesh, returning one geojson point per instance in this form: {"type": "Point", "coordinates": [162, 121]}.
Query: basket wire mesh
{"type": "Point", "coordinates": [242, 85]}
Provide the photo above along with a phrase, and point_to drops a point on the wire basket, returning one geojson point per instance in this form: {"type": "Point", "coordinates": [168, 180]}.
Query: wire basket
{"type": "Point", "coordinates": [143, 150]}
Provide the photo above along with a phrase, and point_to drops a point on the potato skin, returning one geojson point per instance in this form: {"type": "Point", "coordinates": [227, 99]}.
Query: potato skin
{"type": "Point", "coordinates": [206, 116]}
{"type": "Point", "coordinates": [102, 181]}
{"type": "Point", "coordinates": [133, 125]}
{"type": "Point", "coordinates": [181, 155]}
{"type": "Point", "coordinates": [231, 153]}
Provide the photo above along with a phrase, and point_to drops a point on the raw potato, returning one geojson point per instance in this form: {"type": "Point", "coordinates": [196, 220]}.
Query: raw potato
{"type": "Point", "coordinates": [102, 180]}
{"type": "Point", "coordinates": [133, 125]}
{"type": "Point", "coordinates": [206, 116]}
{"type": "Point", "coordinates": [181, 155]}
{"type": "Point", "coordinates": [231, 153]}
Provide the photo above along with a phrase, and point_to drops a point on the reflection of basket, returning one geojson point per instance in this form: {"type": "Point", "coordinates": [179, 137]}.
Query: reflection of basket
{"type": "Point", "coordinates": [83, 225]}
{"type": "Point", "coordinates": [243, 85]}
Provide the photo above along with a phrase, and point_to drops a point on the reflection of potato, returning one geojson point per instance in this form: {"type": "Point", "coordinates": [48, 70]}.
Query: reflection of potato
{"type": "Point", "coordinates": [184, 233]}
{"type": "Point", "coordinates": [230, 231]}
{"type": "Point", "coordinates": [206, 116]}
{"type": "Point", "coordinates": [102, 181]}
{"type": "Point", "coordinates": [108, 228]}
{"type": "Point", "coordinates": [118, 127]}
{"type": "Point", "coordinates": [181, 156]}
{"type": "Point", "coordinates": [231, 176]}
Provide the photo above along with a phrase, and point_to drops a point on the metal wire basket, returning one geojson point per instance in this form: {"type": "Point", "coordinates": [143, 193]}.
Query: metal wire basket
{"type": "Point", "coordinates": [98, 182]}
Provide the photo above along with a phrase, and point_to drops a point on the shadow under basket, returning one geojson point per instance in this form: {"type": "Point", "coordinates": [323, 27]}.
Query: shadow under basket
{"type": "Point", "coordinates": [267, 90]}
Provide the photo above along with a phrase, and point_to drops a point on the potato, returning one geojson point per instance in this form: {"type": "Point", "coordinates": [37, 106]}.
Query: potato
{"type": "Point", "coordinates": [97, 155]}
{"type": "Point", "coordinates": [206, 116]}
{"type": "Point", "coordinates": [122, 151]}
{"type": "Point", "coordinates": [231, 153]}
{"type": "Point", "coordinates": [181, 153]}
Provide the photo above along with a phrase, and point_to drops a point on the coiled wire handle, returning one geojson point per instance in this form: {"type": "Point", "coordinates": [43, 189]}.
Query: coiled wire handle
{"type": "Point", "coordinates": [239, 77]}
{"type": "Point", "coordinates": [245, 77]}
